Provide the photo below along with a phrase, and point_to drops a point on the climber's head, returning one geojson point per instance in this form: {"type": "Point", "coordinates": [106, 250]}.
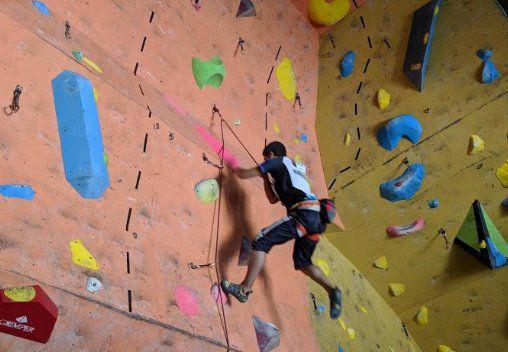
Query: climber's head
{"type": "Point", "coordinates": [274, 150]}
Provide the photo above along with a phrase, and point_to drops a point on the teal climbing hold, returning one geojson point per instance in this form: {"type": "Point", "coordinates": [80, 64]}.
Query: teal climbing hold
{"type": "Point", "coordinates": [39, 5]}
{"type": "Point", "coordinates": [208, 73]}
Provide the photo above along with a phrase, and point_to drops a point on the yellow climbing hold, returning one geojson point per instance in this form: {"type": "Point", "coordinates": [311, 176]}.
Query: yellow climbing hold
{"type": "Point", "coordinates": [397, 289]}
{"type": "Point", "coordinates": [328, 12]}
{"type": "Point", "coordinates": [95, 95]}
{"type": "Point", "coordinates": [383, 98]}
{"type": "Point", "coordinates": [92, 64]}
{"type": "Point", "coordinates": [323, 265]}
{"type": "Point", "coordinates": [476, 144]}
{"type": "Point", "coordinates": [298, 158]}
{"type": "Point", "coordinates": [381, 263]}
{"type": "Point", "coordinates": [444, 348]}
{"type": "Point", "coordinates": [482, 244]}
{"type": "Point", "coordinates": [20, 294]}
{"type": "Point", "coordinates": [347, 139]}
{"type": "Point", "coordinates": [81, 255]}
{"type": "Point", "coordinates": [352, 333]}
{"type": "Point", "coordinates": [296, 140]}
{"type": "Point", "coordinates": [276, 127]}
{"type": "Point", "coordinates": [502, 174]}
{"type": "Point", "coordinates": [363, 309]}
{"type": "Point", "coordinates": [341, 322]}
{"type": "Point", "coordinates": [422, 317]}
{"type": "Point", "coordinates": [286, 78]}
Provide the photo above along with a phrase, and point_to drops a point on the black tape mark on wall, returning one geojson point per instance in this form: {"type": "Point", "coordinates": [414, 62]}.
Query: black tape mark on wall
{"type": "Point", "coordinates": [356, 109]}
{"type": "Point", "coordinates": [128, 219]}
{"type": "Point", "coordinates": [129, 297]}
{"type": "Point", "coordinates": [278, 52]}
{"type": "Point", "coordinates": [146, 141]}
{"type": "Point", "coordinates": [270, 76]}
{"type": "Point", "coordinates": [143, 45]}
{"type": "Point", "coordinates": [151, 16]}
{"type": "Point", "coordinates": [358, 153]}
{"type": "Point", "coordinates": [370, 43]}
{"type": "Point", "coordinates": [141, 89]}
{"type": "Point", "coordinates": [136, 69]}
{"type": "Point", "coordinates": [359, 88]}
{"type": "Point", "coordinates": [331, 185]}
{"type": "Point", "coordinates": [358, 133]}
{"type": "Point", "coordinates": [344, 170]}
{"type": "Point", "coordinates": [128, 263]}
{"type": "Point", "coordinates": [366, 65]}
{"type": "Point", "coordinates": [137, 181]}
{"type": "Point", "coordinates": [363, 23]}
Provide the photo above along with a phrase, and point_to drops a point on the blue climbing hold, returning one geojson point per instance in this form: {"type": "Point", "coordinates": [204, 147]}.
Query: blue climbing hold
{"type": "Point", "coordinates": [340, 349]}
{"type": "Point", "coordinates": [304, 137]}
{"type": "Point", "coordinates": [489, 70]}
{"type": "Point", "coordinates": [39, 5]}
{"type": "Point", "coordinates": [17, 191]}
{"type": "Point", "coordinates": [321, 308]}
{"type": "Point", "coordinates": [484, 54]}
{"type": "Point", "coordinates": [348, 64]}
{"type": "Point", "coordinates": [404, 186]}
{"type": "Point", "coordinates": [496, 257]}
{"type": "Point", "coordinates": [434, 203]}
{"type": "Point", "coordinates": [80, 134]}
{"type": "Point", "coordinates": [505, 202]}
{"type": "Point", "coordinates": [389, 135]}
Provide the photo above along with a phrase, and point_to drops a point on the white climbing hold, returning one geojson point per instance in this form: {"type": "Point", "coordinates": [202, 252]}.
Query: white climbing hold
{"type": "Point", "coordinates": [93, 284]}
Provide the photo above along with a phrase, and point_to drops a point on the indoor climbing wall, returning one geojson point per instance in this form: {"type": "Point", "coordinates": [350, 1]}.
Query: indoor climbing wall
{"type": "Point", "coordinates": [464, 298]}
{"type": "Point", "coordinates": [118, 267]}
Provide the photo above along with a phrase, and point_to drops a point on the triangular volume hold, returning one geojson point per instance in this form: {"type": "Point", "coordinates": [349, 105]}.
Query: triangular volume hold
{"type": "Point", "coordinates": [478, 229]}
{"type": "Point", "coordinates": [246, 9]}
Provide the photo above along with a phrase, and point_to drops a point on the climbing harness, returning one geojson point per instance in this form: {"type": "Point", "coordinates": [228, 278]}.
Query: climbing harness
{"type": "Point", "coordinates": [15, 101]}
{"type": "Point", "coordinates": [67, 30]}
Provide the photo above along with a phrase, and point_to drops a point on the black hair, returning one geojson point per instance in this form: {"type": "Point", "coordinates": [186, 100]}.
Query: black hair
{"type": "Point", "coordinates": [277, 148]}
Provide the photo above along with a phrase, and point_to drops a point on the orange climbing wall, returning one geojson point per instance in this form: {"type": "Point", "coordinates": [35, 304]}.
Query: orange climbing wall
{"type": "Point", "coordinates": [168, 227]}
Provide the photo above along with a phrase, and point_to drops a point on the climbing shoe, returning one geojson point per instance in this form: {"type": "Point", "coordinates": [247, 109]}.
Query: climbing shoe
{"type": "Point", "coordinates": [335, 303]}
{"type": "Point", "coordinates": [235, 290]}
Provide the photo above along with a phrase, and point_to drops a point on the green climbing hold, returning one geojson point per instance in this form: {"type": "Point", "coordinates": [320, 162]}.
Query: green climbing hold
{"type": "Point", "coordinates": [209, 72]}
{"type": "Point", "coordinates": [78, 55]}
{"type": "Point", "coordinates": [207, 191]}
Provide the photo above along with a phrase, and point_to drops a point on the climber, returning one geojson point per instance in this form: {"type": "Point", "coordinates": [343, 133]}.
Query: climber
{"type": "Point", "coordinates": [306, 220]}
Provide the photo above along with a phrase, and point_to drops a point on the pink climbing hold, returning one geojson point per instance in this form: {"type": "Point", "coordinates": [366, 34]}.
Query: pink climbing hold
{"type": "Point", "coordinates": [229, 158]}
{"type": "Point", "coordinates": [186, 300]}
{"type": "Point", "coordinates": [218, 295]}
{"type": "Point", "coordinates": [397, 231]}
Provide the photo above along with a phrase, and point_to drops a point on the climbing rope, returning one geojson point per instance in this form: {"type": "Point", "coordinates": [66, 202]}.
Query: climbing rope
{"type": "Point", "coordinates": [217, 209]}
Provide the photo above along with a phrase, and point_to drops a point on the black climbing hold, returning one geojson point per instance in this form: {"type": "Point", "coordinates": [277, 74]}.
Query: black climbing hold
{"type": "Point", "coordinates": [246, 9]}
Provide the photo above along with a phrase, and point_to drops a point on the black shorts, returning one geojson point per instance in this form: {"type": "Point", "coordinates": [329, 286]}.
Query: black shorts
{"type": "Point", "coordinates": [285, 230]}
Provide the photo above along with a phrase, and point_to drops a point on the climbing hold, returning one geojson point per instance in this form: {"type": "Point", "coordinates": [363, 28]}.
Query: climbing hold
{"type": "Point", "coordinates": [80, 135]}
{"type": "Point", "coordinates": [419, 44]}
{"type": "Point", "coordinates": [502, 174]}
{"type": "Point", "coordinates": [478, 228]}
{"type": "Point", "coordinates": [218, 294]}
{"type": "Point", "coordinates": [352, 333]}
{"type": "Point", "coordinates": [397, 289]}
{"type": "Point", "coordinates": [208, 73]}
{"type": "Point", "coordinates": [39, 5]}
{"type": "Point", "coordinates": [92, 64]}
{"type": "Point", "coordinates": [363, 309]}
{"type": "Point", "coordinates": [238, 122]}
{"type": "Point", "coordinates": [81, 255]}
{"type": "Point", "coordinates": [17, 191]}
{"type": "Point", "coordinates": [323, 265]}
{"type": "Point", "coordinates": [186, 300]}
{"type": "Point", "coordinates": [93, 284]}
{"type": "Point", "coordinates": [390, 134]}
{"type": "Point", "coordinates": [276, 127]}
{"type": "Point", "coordinates": [381, 263]}
{"type": "Point", "coordinates": [434, 203]}
{"type": "Point", "coordinates": [246, 9]}
{"type": "Point", "coordinates": [422, 317]}
{"type": "Point", "coordinates": [20, 294]}
{"type": "Point", "coordinates": [383, 98]}
{"type": "Point", "coordinates": [328, 12]}
{"type": "Point", "coordinates": [298, 158]}
{"type": "Point", "coordinates": [95, 95]}
{"type": "Point", "coordinates": [476, 144]}
{"type": "Point", "coordinates": [28, 313]}
{"type": "Point", "coordinates": [489, 70]}
{"type": "Point", "coordinates": [207, 191]}
{"type": "Point", "coordinates": [342, 324]}
{"type": "Point", "coordinates": [444, 348]}
{"type": "Point", "coordinates": [404, 186]}
{"type": "Point", "coordinates": [505, 202]}
{"type": "Point", "coordinates": [304, 137]}
{"type": "Point", "coordinates": [340, 349]}
{"type": "Point", "coordinates": [78, 55]}
{"type": "Point", "coordinates": [347, 64]}
{"type": "Point", "coordinates": [397, 231]}
{"type": "Point", "coordinates": [267, 335]}
{"type": "Point", "coordinates": [483, 244]}
{"type": "Point", "coordinates": [196, 4]}
{"type": "Point", "coordinates": [223, 153]}
{"type": "Point", "coordinates": [296, 140]}
{"type": "Point", "coordinates": [321, 308]}
{"type": "Point", "coordinates": [286, 79]}
{"type": "Point", "coordinates": [347, 139]}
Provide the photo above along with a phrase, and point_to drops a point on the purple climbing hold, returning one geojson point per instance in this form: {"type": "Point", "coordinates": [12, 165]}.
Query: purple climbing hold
{"type": "Point", "coordinates": [407, 126]}
{"type": "Point", "coordinates": [348, 64]}
{"type": "Point", "coordinates": [267, 334]}
{"type": "Point", "coordinates": [404, 186]}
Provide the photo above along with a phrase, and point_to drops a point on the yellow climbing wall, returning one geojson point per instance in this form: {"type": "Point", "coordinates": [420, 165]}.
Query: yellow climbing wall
{"type": "Point", "coordinates": [466, 301]}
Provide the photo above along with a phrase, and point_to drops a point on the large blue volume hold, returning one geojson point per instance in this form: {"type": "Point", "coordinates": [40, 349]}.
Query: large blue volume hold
{"type": "Point", "coordinates": [407, 126]}
{"type": "Point", "coordinates": [404, 186]}
{"type": "Point", "coordinates": [80, 134]}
